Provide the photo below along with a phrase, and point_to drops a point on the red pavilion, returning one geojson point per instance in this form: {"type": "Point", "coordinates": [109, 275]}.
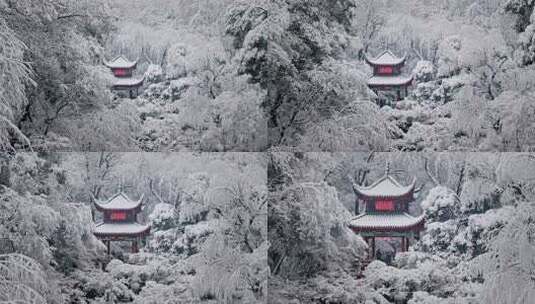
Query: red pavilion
{"type": "Point", "coordinates": [387, 75]}
{"type": "Point", "coordinates": [386, 206]}
{"type": "Point", "coordinates": [123, 70]}
{"type": "Point", "coordinates": [120, 221]}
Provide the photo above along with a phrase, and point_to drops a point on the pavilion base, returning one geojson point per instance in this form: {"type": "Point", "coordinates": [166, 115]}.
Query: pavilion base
{"type": "Point", "coordinates": [389, 95]}
{"type": "Point", "coordinates": [130, 92]}
{"type": "Point", "coordinates": [369, 238]}
{"type": "Point", "coordinates": [134, 247]}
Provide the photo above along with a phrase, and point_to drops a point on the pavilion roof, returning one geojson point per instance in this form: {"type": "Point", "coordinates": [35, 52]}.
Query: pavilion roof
{"type": "Point", "coordinates": [389, 80]}
{"type": "Point", "coordinates": [119, 201]}
{"type": "Point", "coordinates": [386, 221]}
{"type": "Point", "coordinates": [385, 58]}
{"type": "Point", "coordinates": [120, 229]}
{"type": "Point", "coordinates": [127, 82]}
{"type": "Point", "coordinates": [386, 186]}
{"type": "Point", "coordinates": [120, 62]}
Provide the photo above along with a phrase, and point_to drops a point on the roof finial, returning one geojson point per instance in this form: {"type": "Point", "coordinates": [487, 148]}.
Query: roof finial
{"type": "Point", "coordinates": [387, 171]}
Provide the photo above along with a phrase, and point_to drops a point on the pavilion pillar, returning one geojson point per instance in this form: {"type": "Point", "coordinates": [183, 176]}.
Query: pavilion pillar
{"type": "Point", "coordinates": [134, 246]}
{"type": "Point", "coordinates": [406, 243]}
{"type": "Point", "coordinates": [108, 246]}
{"type": "Point", "coordinates": [372, 255]}
{"type": "Point", "coordinates": [370, 241]}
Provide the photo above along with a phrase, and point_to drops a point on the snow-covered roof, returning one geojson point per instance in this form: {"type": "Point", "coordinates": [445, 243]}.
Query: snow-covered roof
{"type": "Point", "coordinates": [385, 58]}
{"type": "Point", "coordinates": [385, 221]}
{"type": "Point", "coordinates": [119, 201]}
{"type": "Point", "coordinates": [120, 62]}
{"type": "Point", "coordinates": [127, 82]}
{"type": "Point", "coordinates": [120, 229]}
{"type": "Point", "coordinates": [386, 186]}
{"type": "Point", "coordinates": [389, 80]}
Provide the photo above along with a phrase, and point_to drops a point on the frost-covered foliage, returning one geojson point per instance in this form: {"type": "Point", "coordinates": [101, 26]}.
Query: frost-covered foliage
{"type": "Point", "coordinates": [308, 228]}
{"type": "Point", "coordinates": [56, 89]}
{"type": "Point", "coordinates": [49, 231]}
{"type": "Point", "coordinates": [154, 73]}
{"type": "Point", "coordinates": [22, 280]}
{"type": "Point", "coordinates": [195, 98]}
{"type": "Point", "coordinates": [208, 108]}
{"type": "Point", "coordinates": [313, 255]}
{"type": "Point", "coordinates": [193, 206]}
{"type": "Point", "coordinates": [288, 51]}
{"type": "Point", "coordinates": [415, 272]}
{"type": "Point", "coordinates": [163, 217]}
{"type": "Point", "coordinates": [509, 265]}
{"type": "Point", "coordinates": [423, 71]}
{"type": "Point", "coordinates": [453, 232]}
{"type": "Point", "coordinates": [15, 75]}
{"type": "Point", "coordinates": [471, 201]}
{"type": "Point", "coordinates": [358, 127]}
{"type": "Point", "coordinates": [312, 75]}
{"type": "Point", "coordinates": [233, 267]}
{"type": "Point", "coordinates": [62, 44]}
{"type": "Point", "coordinates": [438, 92]}
{"type": "Point", "coordinates": [524, 55]}
{"type": "Point", "coordinates": [523, 9]}
{"type": "Point", "coordinates": [441, 204]}
{"type": "Point", "coordinates": [216, 252]}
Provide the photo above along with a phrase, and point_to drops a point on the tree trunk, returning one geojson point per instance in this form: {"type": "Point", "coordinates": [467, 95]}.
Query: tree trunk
{"type": "Point", "coordinates": [5, 173]}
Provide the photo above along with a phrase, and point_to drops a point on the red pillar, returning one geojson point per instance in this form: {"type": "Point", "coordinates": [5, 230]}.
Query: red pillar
{"type": "Point", "coordinates": [406, 244]}
{"type": "Point", "coordinates": [373, 247]}
{"type": "Point", "coordinates": [108, 246]}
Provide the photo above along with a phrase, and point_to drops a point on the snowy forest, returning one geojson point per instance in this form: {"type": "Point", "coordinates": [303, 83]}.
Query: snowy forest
{"type": "Point", "coordinates": [471, 62]}
{"type": "Point", "coordinates": [208, 241]}
{"type": "Point", "coordinates": [233, 75]}
{"type": "Point", "coordinates": [267, 151]}
{"type": "Point", "coordinates": [55, 88]}
{"type": "Point", "coordinates": [478, 245]}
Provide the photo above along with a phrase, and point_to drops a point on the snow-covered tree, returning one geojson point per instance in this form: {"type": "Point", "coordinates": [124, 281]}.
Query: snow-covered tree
{"type": "Point", "coordinates": [22, 280]}
{"type": "Point", "coordinates": [16, 73]}
{"type": "Point", "coordinates": [307, 227]}
{"type": "Point", "coordinates": [509, 265]}
{"type": "Point", "coordinates": [424, 71]}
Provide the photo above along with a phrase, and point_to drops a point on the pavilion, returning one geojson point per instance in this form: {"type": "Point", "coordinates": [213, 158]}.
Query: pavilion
{"type": "Point", "coordinates": [120, 221]}
{"type": "Point", "coordinates": [386, 204]}
{"type": "Point", "coordinates": [387, 75]}
{"type": "Point", "coordinates": [123, 70]}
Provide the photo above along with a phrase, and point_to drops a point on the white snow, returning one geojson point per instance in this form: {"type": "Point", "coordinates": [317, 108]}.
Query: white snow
{"type": "Point", "coordinates": [386, 186]}
{"type": "Point", "coordinates": [491, 218]}
{"type": "Point", "coordinates": [386, 58]}
{"type": "Point", "coordinates": [119, 201]}
{"type": "Point", "coordinates": [424, 71]}
{"type": "Point", "coordinates": [162, 211]}
{"type": "Point", "coordinates": [200, 229]}
{"type": "Point", "coordinates": [393, 220]}
{"type": "Point", "coordinates": [389, 80]}
{"type": "Point", "coordinates": [439, 197]}
{"type": "Point", "coordinates": [120, 62]}
{"type": "Point", "coordinates": [120, 228]}
{"type": "Point", "coordinates": [127, 81]}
